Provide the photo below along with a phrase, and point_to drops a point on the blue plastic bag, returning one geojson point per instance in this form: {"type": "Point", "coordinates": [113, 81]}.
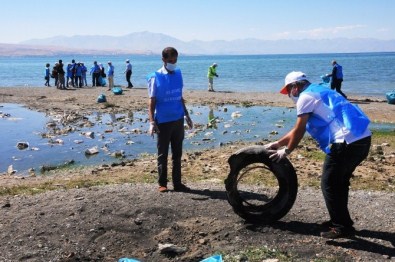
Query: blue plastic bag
{"type": "Point", "coordinates": [125, 259]}
{"type": "Point", "coordinates": [117, 90]}
{"type": "Point", "coordinates": [101, 98]}
{"type": "Point", "coordinates": [215, 258]}
{"type": "Point", "coordinates": [391, 97]}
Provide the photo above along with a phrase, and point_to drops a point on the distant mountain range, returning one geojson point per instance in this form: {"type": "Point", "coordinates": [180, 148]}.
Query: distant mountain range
{"type": "Point", "coordinates": [153, 43]}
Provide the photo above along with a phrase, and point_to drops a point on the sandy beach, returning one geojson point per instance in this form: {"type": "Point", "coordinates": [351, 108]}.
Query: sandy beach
{"type": "Point", "coordinates": [105, 242]}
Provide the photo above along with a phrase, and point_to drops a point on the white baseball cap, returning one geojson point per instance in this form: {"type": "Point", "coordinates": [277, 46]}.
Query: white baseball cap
{"type": "Point", "coordinates": [292, 77]}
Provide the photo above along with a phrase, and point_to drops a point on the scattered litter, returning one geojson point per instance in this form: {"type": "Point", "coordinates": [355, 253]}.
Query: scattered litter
{"type": "Point", "coordinates": [236, 114]}
{"type": "Point", "coordinates": [92, 151]}
{"type": "Point", "coordinates": [117, 154]}
{"type": "Point", "coordinates": [89, 134]}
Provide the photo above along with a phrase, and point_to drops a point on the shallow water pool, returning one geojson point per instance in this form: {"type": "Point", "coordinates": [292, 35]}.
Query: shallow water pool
{"type": "Point", "coordinates": [126, 134]}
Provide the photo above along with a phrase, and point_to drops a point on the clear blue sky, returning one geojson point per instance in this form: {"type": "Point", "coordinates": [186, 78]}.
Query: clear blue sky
{"type": "Point", "coordinates": [198, 19]}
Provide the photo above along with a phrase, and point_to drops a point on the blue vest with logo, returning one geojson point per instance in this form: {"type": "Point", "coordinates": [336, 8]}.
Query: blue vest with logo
{"type": "Point", "coordinates": [168, 96]}
{"type": "Point", "coordinates": [347, 114]}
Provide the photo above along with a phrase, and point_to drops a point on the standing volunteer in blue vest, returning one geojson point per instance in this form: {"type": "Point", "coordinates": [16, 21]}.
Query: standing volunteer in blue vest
{"type": "Point", "coordinates": [341, 130]}
{"type": "Point", "coordinates": [337, 78]}
{"type": "Point", "coordinates": [166, 114]}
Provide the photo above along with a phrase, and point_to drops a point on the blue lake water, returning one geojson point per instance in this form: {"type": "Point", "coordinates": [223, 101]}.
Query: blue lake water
{"type": "Point", "coordinates": [364, 73]}
{"type": "Point", "coordinates": [113, 133]}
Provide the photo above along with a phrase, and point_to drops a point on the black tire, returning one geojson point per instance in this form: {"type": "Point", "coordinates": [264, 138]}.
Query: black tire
{"type": "Point", "coordinates": [276, 207]}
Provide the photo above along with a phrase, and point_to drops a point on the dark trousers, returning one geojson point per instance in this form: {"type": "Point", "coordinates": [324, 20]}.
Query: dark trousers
{"type": "Point", "coordinates": [337, 84]}
{"type": "Point", "coordinates": [128, 76]}
{"type": "Point", "coordinates": [95, 79]}
{"type": "Point", "coordinates": [78, 81]}
{"type": "Point", "coordinates": [339, 165]}
{"type": "Point", "coordinates": [170, 133]}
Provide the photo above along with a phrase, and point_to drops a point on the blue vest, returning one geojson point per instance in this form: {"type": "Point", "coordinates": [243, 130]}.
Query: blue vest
{"type": "Point", "coordinates": [168, 96]}
{"type": "Point", "coordinates": [339, 71]}
{"type": "Point", "coordinates": [347, 114]}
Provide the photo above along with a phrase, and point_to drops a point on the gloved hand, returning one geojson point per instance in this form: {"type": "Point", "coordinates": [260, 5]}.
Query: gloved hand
{"type": "Point", "coordinates": [274, 145]}
{"type": "Point", "coordinates": [189, 121]}
{"type": "Point", "coordinates": [277, 155]}
{"type": "Point", "coordinates": [153, 128]}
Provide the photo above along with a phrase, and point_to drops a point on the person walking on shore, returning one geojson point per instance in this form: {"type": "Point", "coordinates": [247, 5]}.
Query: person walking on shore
{"type": "Point", "coordinates": [341, 130]}
{"type": "Point", "coordinates": [212, 71]}
{"type": "Point", "coordinates": [110, 75]}
{"type": "Point", "coordinates": [47, 74]}
{"type": "Point", "coordinates": [167, 111]}
{"type": "Point", "coordinates": [128, 73]}
{"type": "Point", "coordinates": [337, 78]}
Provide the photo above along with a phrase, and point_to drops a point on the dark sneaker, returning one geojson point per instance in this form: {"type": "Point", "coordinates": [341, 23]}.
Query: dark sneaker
{"type": "Point", "coordinates": [181, 188]}
{"type": "Point", "coordinates": [162, 189]}
{"type": "Point", "coordinates": [335, 233]}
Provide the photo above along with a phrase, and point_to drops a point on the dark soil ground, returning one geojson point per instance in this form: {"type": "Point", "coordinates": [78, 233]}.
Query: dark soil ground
{"type": "Point", "coordinates": [110, 222]}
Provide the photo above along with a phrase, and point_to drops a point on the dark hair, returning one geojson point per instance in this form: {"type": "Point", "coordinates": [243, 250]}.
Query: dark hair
{"type": "Point", "coordinates": [47, 65]}
{"type": "Point", "coordinates": [169, 52]}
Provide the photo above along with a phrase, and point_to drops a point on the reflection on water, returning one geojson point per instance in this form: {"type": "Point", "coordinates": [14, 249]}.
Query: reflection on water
{"type": "Point", "coordinates": [55, 140]}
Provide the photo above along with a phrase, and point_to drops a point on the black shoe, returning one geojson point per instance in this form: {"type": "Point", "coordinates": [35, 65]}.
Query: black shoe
{"type": "Point", "coordinates": [335, 233]}
{"type": "Point", "coordinates": [181, 188]}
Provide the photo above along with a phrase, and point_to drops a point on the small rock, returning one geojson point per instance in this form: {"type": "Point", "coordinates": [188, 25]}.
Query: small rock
{"type": "Point", "coordinates": [22, 145]}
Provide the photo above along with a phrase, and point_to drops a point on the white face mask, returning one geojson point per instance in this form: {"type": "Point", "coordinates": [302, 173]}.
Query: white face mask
{"type": "Point", "coordinates": [171, 67]}
{"type": "Point", "coordinates": [294, 98]}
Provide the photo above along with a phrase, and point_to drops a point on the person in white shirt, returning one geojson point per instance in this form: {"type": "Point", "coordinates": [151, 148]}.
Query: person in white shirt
{"type": "Point", "coordinates": [341, 130]}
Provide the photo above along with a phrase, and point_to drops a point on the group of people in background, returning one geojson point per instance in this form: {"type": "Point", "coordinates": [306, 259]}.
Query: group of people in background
{"type": "Point", "coordinates": [75, 74]}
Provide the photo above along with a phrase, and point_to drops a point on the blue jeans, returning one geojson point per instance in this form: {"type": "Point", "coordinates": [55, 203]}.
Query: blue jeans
{"type": "Point", "coordinates": [170, 133]}
{"type": "Point", "coordinates": [339, 165]}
